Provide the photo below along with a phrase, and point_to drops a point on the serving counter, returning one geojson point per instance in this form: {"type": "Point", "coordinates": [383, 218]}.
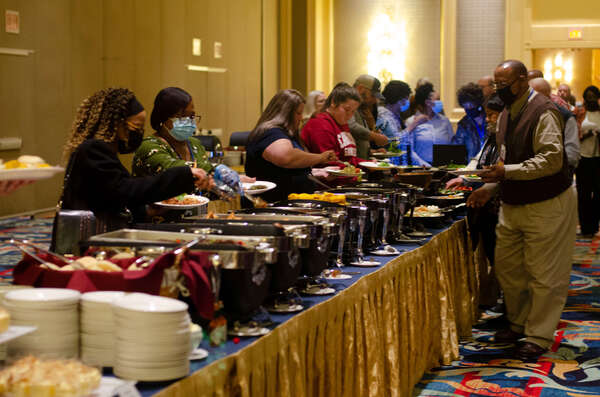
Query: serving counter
{"type": "Point", "coordinates": [375, 337]}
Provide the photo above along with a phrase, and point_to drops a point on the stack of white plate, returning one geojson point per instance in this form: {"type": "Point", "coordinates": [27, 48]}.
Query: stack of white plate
{"type": "Point", "coordinates": [98, 327]}
{"type": "Point", "coordinates": [152, 338]}
{"type": "Point", "coordinates": [55, 313]}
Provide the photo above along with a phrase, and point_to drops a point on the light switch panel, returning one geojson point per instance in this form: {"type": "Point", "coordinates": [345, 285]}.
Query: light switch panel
{"type": "Point", "coordinates": [196, 47]}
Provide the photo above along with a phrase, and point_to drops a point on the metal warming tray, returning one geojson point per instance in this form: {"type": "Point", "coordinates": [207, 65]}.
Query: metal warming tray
{"type": "Point", "coordinates": [319, 229]}
{"type": "Point", "coordinates": [265, 246]}
{"type": "Point", "coordinates": [286, 268]}
{"type": "Point", "coordinates": [244, 274]}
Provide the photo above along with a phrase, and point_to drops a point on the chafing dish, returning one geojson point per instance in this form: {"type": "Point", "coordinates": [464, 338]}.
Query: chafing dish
{"type": "Point", "coordinates": [244, 275]}
{"type": "Point", "coordinates": [354, 227]}
{"type": "Point", "coordinates": [286, 268]}
{"type": "Point", "coordinates": [336, 228]}
{"type": "Point", "coordinates": [319, 229]}
{"type": "Point", "coordinates": [381, 204]}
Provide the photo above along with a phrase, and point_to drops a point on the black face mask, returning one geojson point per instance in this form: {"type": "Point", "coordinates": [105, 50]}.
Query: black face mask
{"type": "Point", "coordinates": [473, 113]}
{"type": "Point", "coordinates": [592, 106]}
{"type": "Point", "coordinates": [507, 95]}
{"type": "Point", "coordinates": [134, 141]}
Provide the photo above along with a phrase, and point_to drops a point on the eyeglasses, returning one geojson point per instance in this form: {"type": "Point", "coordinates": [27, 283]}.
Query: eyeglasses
{"type": "Point", "coordinates": [499, 85]}
{"type": "Point", "coordinates": [193, 117]}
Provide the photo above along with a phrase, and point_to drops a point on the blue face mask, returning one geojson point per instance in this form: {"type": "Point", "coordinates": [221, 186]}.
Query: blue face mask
{"type": "Point", "coordinates": [405, 105]}
{"type": "Point", "coordinates": [438, 106]}
{"type": "Point", "coordinates": [183, 128]}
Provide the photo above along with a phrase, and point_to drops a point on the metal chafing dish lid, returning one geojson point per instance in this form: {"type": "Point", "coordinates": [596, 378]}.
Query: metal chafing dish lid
{"type": "Point", "coordinates": [257, 243]}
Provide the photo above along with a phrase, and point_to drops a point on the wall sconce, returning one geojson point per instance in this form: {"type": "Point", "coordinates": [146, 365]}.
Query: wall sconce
{"type": "Point", "coordinates": [558, 70]}
{"type": "Point", "coordinates": [387, 46]}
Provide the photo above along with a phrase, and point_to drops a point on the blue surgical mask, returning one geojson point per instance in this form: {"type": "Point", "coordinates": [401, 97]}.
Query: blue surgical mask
{"type": "Point", "coordinates": [405, 105]}
{"type": "Point", "coordinates": [183, 128]}
{"type": "Point", "coordinates": [438, 106]}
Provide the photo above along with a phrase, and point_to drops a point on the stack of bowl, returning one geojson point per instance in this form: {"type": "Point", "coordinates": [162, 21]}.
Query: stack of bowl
{"type": "Point", "coordinates": [152, 338]}
{"type": "Point", "coordinates": [98, 327]}
{"type": "Point", "coordinates": [55, 313]}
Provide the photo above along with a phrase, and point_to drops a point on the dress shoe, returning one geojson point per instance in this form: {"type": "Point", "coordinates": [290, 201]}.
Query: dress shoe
{"type": "Point", "coordinates": [507, 335]}
{"type": "Point", "coordinates": [528, 351]}
{"type": "Point", "coordinates": [496, 323]}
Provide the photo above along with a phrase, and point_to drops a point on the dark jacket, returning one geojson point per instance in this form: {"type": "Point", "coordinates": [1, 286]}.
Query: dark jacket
{"type": "Point", "coordinates": [97, 181]}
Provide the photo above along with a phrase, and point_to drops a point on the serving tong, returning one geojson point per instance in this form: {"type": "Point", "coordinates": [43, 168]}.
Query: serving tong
{"type": "Point", "coordinates": [21, 244]}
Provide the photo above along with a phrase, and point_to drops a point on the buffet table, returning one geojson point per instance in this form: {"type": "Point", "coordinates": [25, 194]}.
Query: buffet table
{"type": "Point", "coordinates": [375, 337]}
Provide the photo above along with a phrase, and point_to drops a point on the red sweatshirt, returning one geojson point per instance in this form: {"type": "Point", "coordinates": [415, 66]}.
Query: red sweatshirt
{"type": "Point", "coordinates": [323, 133]}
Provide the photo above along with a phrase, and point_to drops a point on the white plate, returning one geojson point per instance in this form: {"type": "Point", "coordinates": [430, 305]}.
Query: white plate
{"type": "Point", "coordinates": [30, 174]}
{"type": "Point", "coordinates": [203, 201]}
{"type": "Point", "coordinates": [374, 166]}
{"type": "Point", "coordinates": [316, 290]}
{"type": "Point", "coordinates": [62, 295]}
{"type": "Point", "coordinates": [102, 296]}
{"type": "Point", "coordinates": [269, 186]}
{"type": "Point", "coordinates": [472, 179]}
{"type": "Point", "coordinates": [365, 264]}
{"type": "Point", "coordinates": [385, 253]}
{"type": "Point", "coordinates": [387, 154]}
{"type": "Point", "coordinates": [198, 354]}
{"type": "Point", "coordinates": [342, 173]}
{"type": "Point", "coordinates": [150, 304]}
{"type": "Point", "coordinates": [339, 277]}
{"type": "Point", "coordinates": [461, 171]}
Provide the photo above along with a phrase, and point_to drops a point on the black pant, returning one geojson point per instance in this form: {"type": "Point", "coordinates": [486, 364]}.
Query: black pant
{"type": "Point", "coordinates": [588, 194]}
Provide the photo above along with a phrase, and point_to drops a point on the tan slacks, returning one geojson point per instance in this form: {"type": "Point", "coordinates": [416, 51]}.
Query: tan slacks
{"type": "Point", "coordinates": [534, 251]}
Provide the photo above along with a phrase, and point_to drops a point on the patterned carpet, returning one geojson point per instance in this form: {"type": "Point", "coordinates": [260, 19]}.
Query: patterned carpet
{"type": "Point", "coordinates": [23, 228]}
{"type": "Point", "coordinates": [571, 368]}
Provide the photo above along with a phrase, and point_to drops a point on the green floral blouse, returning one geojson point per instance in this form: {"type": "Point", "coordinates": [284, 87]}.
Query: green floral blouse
{"type": "Point", "coordinates": [155, 155]}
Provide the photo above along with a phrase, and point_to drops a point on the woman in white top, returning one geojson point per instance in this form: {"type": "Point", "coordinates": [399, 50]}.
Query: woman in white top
{"type": "Point", "coordinates": [314, 105]}
{"type": "Point", "coordinates": [588, 170]}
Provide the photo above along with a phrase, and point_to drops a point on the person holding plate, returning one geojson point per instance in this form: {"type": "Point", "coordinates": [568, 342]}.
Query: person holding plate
{"type": "Point", "coordinates": [173, 144]}
{"type": "Point", "coordinates": [275, 152]}
{"type": "Point", "coordinates": [329, 130]}
{"type": "Point", "coordinates": [108, 123]}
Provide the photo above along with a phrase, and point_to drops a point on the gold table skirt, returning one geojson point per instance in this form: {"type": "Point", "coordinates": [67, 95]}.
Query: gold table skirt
{"type": "Point", "coordinates": [375, 338]}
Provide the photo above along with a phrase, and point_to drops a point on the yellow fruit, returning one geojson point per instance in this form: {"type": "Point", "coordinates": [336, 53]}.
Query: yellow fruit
{"type": "Point", "coordinates": [13, 164]}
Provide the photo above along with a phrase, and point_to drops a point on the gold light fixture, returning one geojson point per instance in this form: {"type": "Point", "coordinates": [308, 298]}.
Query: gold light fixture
{"type": "Point", "coordinates": [558, 69]}
{"type": "Point", "coordinates": [387, 46]}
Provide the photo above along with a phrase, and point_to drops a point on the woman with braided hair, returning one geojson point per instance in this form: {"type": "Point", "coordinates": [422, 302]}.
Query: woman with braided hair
{"type": "Point", "coordinates": [108, 122]}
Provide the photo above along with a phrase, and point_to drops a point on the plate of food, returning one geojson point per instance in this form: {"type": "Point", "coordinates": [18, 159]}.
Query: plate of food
{"type": "Point", "coordinates": [427, 211]}
{"type": "Point", "coordinates": [27, 168]}
{"type": "Point", "coordinates": [183, 202]}
{"type": "Point", "coordinates": [472, 178]}
{"type": "Point", "coordinates": [384, 155]}
{"type": "Point", "coordinates": [377, 165]}
{"type": "Point", "coordinates": [349, 170]}
{"type": "Point", "coordinates": [452, 167]}
{"type": "Point", "coordinates": [258, 187]}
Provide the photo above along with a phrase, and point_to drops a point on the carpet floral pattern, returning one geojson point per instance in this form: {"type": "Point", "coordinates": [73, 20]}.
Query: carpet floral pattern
{"type": "Point", "coordinates": [571, 368]}
{"type": "Point", "coordinates": [37, 231]}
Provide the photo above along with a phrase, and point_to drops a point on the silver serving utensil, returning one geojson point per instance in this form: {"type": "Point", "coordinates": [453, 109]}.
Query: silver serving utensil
{"type": "Point", "coordinates": [17, 245]}
{"type": "Point", "coordinates": [257, 202]}
{"type": "Point", "coordinates": [318, 182]}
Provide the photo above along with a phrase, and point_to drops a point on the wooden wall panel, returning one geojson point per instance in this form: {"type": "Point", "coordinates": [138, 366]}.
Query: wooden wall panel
{"type": "Point", "coordinates": [144, 45]}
